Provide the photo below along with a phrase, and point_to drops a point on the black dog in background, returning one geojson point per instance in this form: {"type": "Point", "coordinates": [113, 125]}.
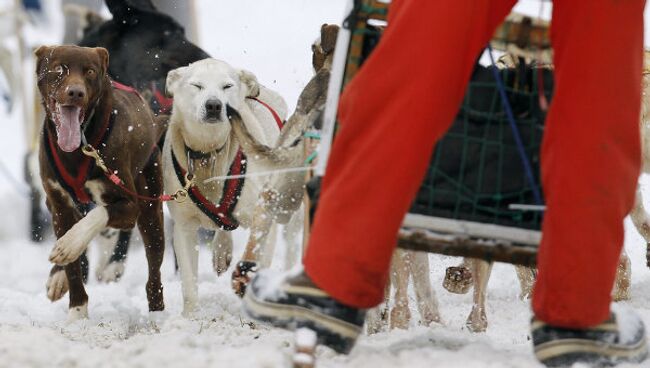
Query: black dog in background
{"type": "Point", "coordinates": [144, 45]}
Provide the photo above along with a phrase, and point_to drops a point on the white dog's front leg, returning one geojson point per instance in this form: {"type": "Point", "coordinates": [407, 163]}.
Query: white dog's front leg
{"type": "Point", "coordinates": [74, 242]}
{"type": "Point", "coordinates": [187, 255]}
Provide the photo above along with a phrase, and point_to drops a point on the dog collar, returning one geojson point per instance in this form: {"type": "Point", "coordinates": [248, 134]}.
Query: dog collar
{"type": "Point", "coordinates": [199, 155]}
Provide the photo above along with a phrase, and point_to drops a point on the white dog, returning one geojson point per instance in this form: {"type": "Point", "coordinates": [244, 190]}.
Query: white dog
{"type": "Point", "coordinates": [201, 144]}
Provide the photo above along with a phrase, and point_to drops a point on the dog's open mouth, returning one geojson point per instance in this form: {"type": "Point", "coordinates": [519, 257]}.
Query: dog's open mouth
{"type": "Point", "coordinates": [68, 119]}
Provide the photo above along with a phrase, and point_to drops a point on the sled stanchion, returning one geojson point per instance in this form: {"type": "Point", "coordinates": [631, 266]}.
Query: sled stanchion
{"type": "Point", "coordinates": [333, 92]}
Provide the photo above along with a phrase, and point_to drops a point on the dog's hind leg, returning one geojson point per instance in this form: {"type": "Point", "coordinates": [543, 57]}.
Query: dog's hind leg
{"type": "Point", "coordinates": [221, 251]}
{"type": "Point", "coordinates": [641, 221]}
{"type": "Point", "coordinates": [426, 298]}
{"type": "Point", "coordinates": [477, 320]}
{"type": "Point", "coordinates": [400, 315]}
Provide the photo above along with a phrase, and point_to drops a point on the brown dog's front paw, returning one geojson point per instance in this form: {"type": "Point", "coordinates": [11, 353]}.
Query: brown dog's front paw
{"type": "Point", "coordinates": [458, 280]}
{"type": "Point", "coordinates": [68, 248]}
{"type": "Point", "coordinates": [242, 276]}
{"type": "Point", "coordinates": [57, 284]}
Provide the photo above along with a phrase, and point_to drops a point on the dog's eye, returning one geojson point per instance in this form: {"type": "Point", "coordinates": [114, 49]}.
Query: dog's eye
{"type": "Point", "coordinates": [91, 73]}
{"type": "Point", "coordinates": [57, 69]}
{"type": "Point", "coordinates": [229, 85]}
{"type": "Point", "coordinates": [198, 86]}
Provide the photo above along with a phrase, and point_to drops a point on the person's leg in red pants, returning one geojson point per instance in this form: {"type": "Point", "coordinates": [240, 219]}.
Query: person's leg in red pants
{"type": "Point", "coordinates": [392, 113]}
{"type": "Point", "coordinates": [590, 157]}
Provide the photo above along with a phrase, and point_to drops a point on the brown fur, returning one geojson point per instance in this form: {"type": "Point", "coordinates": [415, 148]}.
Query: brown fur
{"type": "Point", "coordinates": [127, 152]}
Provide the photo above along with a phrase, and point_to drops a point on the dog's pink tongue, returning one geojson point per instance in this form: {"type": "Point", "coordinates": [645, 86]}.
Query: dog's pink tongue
{"type": "Point", "coordinates": [69, 134]}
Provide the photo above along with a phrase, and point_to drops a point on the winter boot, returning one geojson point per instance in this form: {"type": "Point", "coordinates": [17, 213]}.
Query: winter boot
{"type": "Point", "coordinates": [620, 339]}
{"type": "Point", "coordinates": [291, 300]}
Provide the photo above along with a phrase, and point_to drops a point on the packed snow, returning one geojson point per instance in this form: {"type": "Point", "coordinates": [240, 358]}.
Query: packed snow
{"type": "Point", "coordinates": [271, 38]}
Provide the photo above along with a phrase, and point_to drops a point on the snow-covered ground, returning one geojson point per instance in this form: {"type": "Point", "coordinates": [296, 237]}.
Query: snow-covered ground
{"type": "Point", "coordinates": [271, 38]}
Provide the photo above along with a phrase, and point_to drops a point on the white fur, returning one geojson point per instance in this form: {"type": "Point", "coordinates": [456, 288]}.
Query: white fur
{"type": "Point", "coordinates": [78, 313]}
{"type": "Point", "coordinates": [74, 242]}
{"type": "Point", "coordinates": [191, 87]}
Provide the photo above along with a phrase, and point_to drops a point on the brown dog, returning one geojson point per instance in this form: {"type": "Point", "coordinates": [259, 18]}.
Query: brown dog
{"type": "Point", "coordinates": [82, 104]}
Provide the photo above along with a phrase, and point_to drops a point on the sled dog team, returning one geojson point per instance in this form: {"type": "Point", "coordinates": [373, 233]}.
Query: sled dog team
{"type": "Point", "coordinates": [107, 161]}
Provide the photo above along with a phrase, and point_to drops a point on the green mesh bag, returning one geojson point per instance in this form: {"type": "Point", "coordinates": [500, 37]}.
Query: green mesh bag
{"type": "Point", "coordinates": [476, 171]}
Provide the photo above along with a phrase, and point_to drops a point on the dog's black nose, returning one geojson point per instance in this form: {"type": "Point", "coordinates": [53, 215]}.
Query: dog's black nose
{"type": "Point", "coordinates": [213, 108]}
{"type": "Point", "coordinates": [76, 91]}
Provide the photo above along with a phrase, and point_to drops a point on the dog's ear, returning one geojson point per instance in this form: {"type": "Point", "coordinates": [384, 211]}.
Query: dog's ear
{"type": "Point", "coordinates": [173, 78]}
{"type": "Point", "coordinates": [103, 58]}
{"type": "Point", "coordinates": [42, 54]}
{"type": "Point", "coordinates": [250, 83]}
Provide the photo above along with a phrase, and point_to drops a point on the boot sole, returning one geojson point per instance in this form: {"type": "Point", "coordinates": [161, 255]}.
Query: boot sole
{"type": "Point", "coordinates": [332, 332]}
{"type": "Point", "coordinates": [565, 352]}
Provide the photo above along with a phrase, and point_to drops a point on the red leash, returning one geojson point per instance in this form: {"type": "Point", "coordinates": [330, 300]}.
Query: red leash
{"type": "Point", "coordinates": [179, 196]}
{"type": "Point", "coordinates": [275, 114]}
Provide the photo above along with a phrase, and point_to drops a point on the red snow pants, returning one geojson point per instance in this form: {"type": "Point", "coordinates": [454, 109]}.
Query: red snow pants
{"type": "Point", "coordinates": [405, 97]}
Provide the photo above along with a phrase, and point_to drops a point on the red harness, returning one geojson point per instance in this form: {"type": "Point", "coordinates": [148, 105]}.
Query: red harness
{"type": "Point", "coordinates": [74, 184]}
{"type": "Point", "coordinates": [164, 103]}
{"type": "Point", "coordinates": [222, 213]}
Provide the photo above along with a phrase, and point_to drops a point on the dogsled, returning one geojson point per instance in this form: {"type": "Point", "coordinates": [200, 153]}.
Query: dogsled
{"type": "Point", "coordinates": [481, 196]}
